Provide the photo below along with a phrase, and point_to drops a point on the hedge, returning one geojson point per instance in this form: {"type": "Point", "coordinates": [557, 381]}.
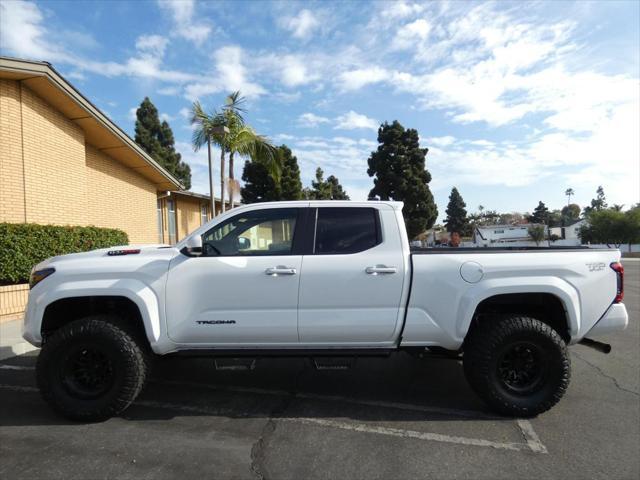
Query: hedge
{"type": "Point", "coordinates": [23, 245]}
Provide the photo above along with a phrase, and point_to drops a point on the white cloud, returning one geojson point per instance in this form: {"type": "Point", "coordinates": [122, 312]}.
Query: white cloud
{"type": "Point", "coordinates": [356, 79]}
{"type": "Point", "coordinates": [441, 141]}
{"type": "Point", "coordinates": [165, 117]}
{"type": "Point", "coordinates": [412, 34]}
{"type": "Point", "coordinates": [294, 71]}
{"type": "Point", "coordinates": [230, 75]}
{"type": "Point", "coordinates": [153, 45]}
{"type": "Point", "coordinates": [22, 32]}
{"type": "Point", "coordinates": [183, 12]}
{"type": "Point", "coordinates": [131, 114]}
{"type": "Point", "coordinates": [302, 25]}
{"type": "Point", "coordinates": [352, 120]}
{"type": "Point", "coordinates": [311, 120]}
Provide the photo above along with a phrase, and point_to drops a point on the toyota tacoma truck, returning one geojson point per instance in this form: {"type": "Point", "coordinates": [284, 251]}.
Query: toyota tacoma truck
{"type": "Point", "coordinates": [323, 280]}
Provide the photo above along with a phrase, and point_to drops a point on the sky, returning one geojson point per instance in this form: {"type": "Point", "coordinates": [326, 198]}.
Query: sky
{"type": "Point", "coordinates": [516, 102]}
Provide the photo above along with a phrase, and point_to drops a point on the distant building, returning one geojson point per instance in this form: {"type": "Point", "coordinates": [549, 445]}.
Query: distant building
{"type": "Point", "coordinates": [570, 232]}
{"type": "Point", "coordinates": [489, 235]}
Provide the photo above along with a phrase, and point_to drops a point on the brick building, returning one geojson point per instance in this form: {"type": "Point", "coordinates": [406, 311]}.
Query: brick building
{"type": "Point", "coordinates": [62, 161]}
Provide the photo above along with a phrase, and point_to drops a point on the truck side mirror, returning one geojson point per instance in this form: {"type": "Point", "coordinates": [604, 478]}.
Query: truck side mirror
{"type": "Point", "coordinates": [193, 247]}
{"type": "Point", "coordinates": [244, 243]}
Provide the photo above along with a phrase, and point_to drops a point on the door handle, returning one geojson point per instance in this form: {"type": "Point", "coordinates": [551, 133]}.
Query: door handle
{"type": "Point", "coordinates": [280, 270]}
{"type": "Point", "coordinates": [380, 270]}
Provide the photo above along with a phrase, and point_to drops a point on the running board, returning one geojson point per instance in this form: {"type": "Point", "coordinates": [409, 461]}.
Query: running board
{"type": "Point", "coordinates": [285, 352]}
{"type": "Point", "coordinates": [333, 363]}
{"type": "Point", "coordinates": [235, 363]}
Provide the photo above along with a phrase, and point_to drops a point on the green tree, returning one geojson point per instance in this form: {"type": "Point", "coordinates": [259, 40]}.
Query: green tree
{"type": "Point", "coordinates": [208, 130]}
{"type": "Point", "coordinates": [337, 192]}
{"type": "Point", "coordinates": [241, 139]}
{"type": "Point", "coordinates": [398, 166]}
{"type": "Point", "coordinates": [259, 186]}
{"type": "Point", "coordinates": [598, 203]}
{"type": "Point", "coordinates": [290, 184]}
{"type": "Point", "coordinates": [329, 189]}
{"type": "Point", "coordinates": [612, 227]}
{"type": "Point", "coordinates": [156, 138]}
{"type": "Point", "coordinates": [570, 213]}
{"type": "Point", "coordinates": [540, 214]}
{"type": "Point", "coordinates": [456, 220]}
{"type": "Point", "coordinates": [536, 233]}
{"type": "Point", "coordinates": [569, 193]}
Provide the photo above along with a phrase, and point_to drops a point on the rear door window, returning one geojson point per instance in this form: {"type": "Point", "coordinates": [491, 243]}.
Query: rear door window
{"type": "Point", "coordinates": [346, 230]}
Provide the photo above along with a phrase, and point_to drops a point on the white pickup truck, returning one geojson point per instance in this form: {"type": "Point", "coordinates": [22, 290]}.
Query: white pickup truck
{"type": "Point", "coordinates": [322, 280]}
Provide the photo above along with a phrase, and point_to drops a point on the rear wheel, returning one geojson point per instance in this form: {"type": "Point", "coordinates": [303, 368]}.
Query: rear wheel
{"type": "Point", "coordinates": [91, 369]}
{"type": "Point", "coordinates": [518, 365]}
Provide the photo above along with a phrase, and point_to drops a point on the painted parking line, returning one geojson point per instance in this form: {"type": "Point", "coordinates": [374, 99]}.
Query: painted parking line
{"type": "Point", "coordinates": [532, 444]}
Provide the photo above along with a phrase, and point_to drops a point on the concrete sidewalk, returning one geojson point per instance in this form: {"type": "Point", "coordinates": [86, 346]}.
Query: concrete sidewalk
{"type": "Point", "coordinates": [11, 341]}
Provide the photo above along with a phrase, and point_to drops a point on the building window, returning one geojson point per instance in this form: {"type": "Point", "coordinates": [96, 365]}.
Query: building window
{"type": "Point", "coordinates": [204, 218]}
{"type": "Point", "coordinates": [171, 217]}
{"type": "Point", "coordinates": [498, 231]}
{"type": "Point", "coordinates": [160, 223]}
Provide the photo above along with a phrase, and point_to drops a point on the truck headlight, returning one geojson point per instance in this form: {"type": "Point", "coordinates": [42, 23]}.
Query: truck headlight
{"type": "Point", "coordinates": [39, 275]}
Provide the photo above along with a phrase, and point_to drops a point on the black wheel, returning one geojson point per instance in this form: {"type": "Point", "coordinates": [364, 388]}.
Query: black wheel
{"type": "Point", "coordinates": [91, 369]}
{"type": "Point", "coordinates": [518, 365]}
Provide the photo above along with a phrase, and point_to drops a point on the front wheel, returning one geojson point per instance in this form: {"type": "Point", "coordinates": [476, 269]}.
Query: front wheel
{"type": "Point", "coordinates": [518, 365]}
{"type": "Point", "coordinates": [90, 369]}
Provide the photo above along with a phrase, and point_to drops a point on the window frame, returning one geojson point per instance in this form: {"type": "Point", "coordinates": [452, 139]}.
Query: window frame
{"type": "Point", "coordinates": [313, 220]}
{"type": "Point", "coordinates": [296, 245]}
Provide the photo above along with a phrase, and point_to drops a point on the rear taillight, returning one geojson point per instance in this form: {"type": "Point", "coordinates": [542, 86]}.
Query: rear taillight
{"type": "Point", "coordinates": [619, 269]}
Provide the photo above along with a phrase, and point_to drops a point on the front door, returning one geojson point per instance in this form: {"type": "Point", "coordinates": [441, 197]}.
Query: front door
{"type": "Point", "coordinates": [352, 282]}
{"type": "Point", "coordinates": [243, 290]}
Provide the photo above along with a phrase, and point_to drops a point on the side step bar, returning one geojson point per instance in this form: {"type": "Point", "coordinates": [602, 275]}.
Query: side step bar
{"type": "Point", "coordinates": [596, 345]}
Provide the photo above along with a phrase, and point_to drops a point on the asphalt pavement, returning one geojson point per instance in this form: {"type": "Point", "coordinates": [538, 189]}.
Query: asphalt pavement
{"type": "Point", "coordinates": [384, 418]}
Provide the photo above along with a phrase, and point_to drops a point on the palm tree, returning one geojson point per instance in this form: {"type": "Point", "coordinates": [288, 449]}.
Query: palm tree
{"type": "Point", "coordinates": [244, 141]}
{"type": "Point", "coordinates": [209, 128]}
{"type": "Point", "coordinates": [569, 192]}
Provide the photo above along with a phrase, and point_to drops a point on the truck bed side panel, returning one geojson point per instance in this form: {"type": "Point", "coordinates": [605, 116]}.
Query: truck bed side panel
{"type": "Point", "coordinates": [442, 303]}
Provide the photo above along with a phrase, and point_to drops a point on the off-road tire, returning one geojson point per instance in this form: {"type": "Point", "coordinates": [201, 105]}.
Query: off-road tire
{"type": "Point", "coordinates": [125, 360]}
{"type": "Point", "coordinates": [483, 353]}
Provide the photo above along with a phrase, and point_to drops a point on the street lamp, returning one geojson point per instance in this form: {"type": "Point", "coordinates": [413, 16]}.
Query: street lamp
{"type": "Point", "coordinates": [220, 130]}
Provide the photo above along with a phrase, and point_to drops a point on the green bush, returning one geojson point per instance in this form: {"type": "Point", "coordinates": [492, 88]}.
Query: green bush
{"type": "Point", "coordinates": [23, 245]}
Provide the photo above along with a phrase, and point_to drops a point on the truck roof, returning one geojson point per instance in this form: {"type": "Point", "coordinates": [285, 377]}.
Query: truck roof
{"type": "Point", "coordinates": [335, 203]}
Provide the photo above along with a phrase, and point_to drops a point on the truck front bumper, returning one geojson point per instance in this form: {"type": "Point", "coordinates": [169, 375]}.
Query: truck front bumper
{"type": "Point", "coordinates": [615, 319]}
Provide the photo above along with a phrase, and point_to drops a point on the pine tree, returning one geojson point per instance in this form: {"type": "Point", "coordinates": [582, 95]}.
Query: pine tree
{"type": "Point", "coordinates": [456, 220]}
{"type": "Point", "coordinates": [157, 140]}
{"type": "Point", "coordinates": [329, 189]}
{"type": "Point", "coordinates": [597, 204]}
{"type": "Point", "coordinates": [259, 186]}
{"type": "Point", "coordinates": [290, 184]}
{"type": "Point", "coordinates": [540, 214]}
{"type": "Point", "coordinates": [398, 166]}
{"type": "Point", "coordinates": [337, 192]}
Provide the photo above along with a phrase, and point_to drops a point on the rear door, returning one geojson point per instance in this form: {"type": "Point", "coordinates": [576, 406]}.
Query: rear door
{"type": "Point", "coordinates": [352, 282]}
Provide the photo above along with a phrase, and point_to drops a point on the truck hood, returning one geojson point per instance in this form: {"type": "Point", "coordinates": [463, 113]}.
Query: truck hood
{"type": "Point", "coordinates": [95, 257]}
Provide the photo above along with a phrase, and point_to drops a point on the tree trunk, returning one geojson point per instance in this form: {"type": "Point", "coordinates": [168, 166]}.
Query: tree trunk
{"type": "Point", "coordinates": [231, 181]}
{"type": "Point", "coordinates": [222, 189]}
{"type": "Point", "coordinates": [213, 199]}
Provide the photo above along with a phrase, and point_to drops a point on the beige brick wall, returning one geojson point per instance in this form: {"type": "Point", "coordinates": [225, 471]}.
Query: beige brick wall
{"type": "Point", "coordinates": [54, 164]}
{"type": "Point", "coordinates": [120, 198]}
{"type": "Point", "coordinates": [12, 207]}
{"type": "Point", "coordinates": [13, 300]}
{"type": "Point", "coordinates": [188, 213]}
{"type": "Point", "coordinates": [49, 176]}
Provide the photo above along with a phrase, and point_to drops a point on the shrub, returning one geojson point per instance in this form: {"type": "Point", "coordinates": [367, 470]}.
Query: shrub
{"type": "Point", "coordinates": [23, 245]}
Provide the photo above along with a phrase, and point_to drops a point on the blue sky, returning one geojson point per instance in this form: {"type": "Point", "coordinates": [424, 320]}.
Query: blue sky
{"type": "Point", "coordinates": [516, 101]}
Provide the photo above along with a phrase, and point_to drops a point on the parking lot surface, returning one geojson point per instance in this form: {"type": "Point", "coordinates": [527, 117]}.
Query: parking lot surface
{"type": "Point", "coordinates": [384, 418]}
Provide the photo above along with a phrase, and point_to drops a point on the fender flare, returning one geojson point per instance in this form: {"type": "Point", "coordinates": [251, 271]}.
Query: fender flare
{"type": "Point", "coordinates": [564, 291]}
{"type": "Point", "coordinates": [135, 290]}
